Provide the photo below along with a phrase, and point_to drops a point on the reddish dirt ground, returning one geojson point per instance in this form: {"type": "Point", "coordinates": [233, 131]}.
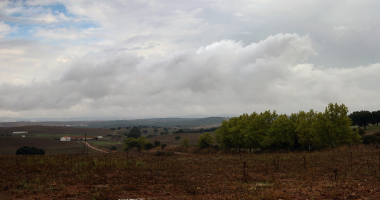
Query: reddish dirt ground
{"type": "Point", "coordinates": [344, 174]}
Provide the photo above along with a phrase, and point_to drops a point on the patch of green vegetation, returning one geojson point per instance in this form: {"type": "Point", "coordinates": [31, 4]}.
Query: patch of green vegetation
{"type": "Point", "coordinates": [370, 128]}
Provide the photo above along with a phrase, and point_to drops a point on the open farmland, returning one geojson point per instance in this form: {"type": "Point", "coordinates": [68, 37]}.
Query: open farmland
{"type": "Point", "coordinates": [43, 137]}
{"type": "Point", "coordinates": [55, 130]}
{"type": "Point", "coordinates": [344, 174]}
{"type": "Point", "coordinates": [169, 139]}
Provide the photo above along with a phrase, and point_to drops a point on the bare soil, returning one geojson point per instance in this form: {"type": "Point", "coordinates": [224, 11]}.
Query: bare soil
{"type": "Point", "coordinates": [344, 174]}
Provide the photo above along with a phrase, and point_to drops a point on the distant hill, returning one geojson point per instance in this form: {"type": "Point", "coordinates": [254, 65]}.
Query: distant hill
{"type": "Point", "coordinates": [161, 122]}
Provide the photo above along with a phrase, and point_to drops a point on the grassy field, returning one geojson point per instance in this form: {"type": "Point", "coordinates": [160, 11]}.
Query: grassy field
{"type": "Point", "coordinates": [346, 174]}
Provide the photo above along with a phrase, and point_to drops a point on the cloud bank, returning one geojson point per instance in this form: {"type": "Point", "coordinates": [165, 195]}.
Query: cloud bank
{"type": "Point", "coordinates": [69, 58]}
{"type": "Point", "coordinates": [226, 76]}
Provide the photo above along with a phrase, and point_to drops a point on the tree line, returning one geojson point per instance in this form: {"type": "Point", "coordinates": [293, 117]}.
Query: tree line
{"type": "Point", "coordinates": [307, 130]}
{"type": "Point", "coordinates": [364, 118]}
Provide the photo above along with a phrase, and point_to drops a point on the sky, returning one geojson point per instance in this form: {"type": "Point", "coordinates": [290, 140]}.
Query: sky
{"type": "Point", "coordinates": [161, 58]}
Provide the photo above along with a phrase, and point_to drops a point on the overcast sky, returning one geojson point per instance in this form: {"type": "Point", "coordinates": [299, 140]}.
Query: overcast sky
{"type": "Point", "coordinates": [74, 58]}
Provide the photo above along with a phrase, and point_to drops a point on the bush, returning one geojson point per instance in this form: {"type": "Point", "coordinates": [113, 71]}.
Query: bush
{"type": "Point", "coordinates": [28, 150]}
{"type": "Point", "coordinates": [177, 138]}
{"type": "Point", "coordinates": [148, 146]}
{"type": "Point", "coordinates": [157, 143]}
{"type": "Point", "coordinates": [113, 148]}
{"type": "Point", "coordinates": [185, 142]}
{"type": "Point", "coordinates": [2, 134]}
{"type": "Point", "coordinates": [159, 153]}
{"type": "Point", "coordinates": [368, 139]}
{"type": "Point", "coordinates": [361, 131]}
{"type": "Point", "coordinates": [205, 140]}
{"type": "Point", "coordinates": [163, 146]}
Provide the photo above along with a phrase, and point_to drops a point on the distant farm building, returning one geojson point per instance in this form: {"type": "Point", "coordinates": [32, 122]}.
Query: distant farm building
{"type": "Point", "coordinates": [65, 138]}
{"type": "Point", "coordinates": [20, 132]}
{"type": "Point", "coordinates": [78, 138]}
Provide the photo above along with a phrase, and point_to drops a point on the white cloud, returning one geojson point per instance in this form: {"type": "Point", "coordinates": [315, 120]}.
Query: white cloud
{"type": "Point", "coordinates": [5, 29]}
{"type": "Point", "coordinates": [226, 76]}
{"type": "Point", "coordinates": [61, 34]}
{"type": "Point", "coordinates": [163, 58]}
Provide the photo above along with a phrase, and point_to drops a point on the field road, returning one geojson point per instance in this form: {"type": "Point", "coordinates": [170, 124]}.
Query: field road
{"type": "Point", "coordinates": [87, 144]}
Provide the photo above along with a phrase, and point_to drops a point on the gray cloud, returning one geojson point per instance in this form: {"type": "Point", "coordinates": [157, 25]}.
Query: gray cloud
{"type": "Point", "coordinates": [224, 76]}
{"type": "Point", "coordinates": [165, 58]}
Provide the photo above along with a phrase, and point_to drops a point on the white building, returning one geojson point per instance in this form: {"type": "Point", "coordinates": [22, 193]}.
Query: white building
{"type": "Point", "coordinates": [20, 132]}
{"type": "Point", "coordinates": [65, 138]}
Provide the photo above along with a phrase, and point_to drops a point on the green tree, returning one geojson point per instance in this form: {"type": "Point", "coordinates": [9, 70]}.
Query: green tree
{"type": "Point", "coordinates": [118, 128]}
{"type": "Point", "coordinates": [148, 146]}
{"type": "Point", "coordinates": [185, 142]}
{"type": "Point", "coordinates": [307, 137]}
{"type": "Point", "coordinates": [177, 138]}
{"type": "Point", "coordinates": [131, 142]}
{"type": "Point", "coordinates": [375, 117]}
{"type": "Point", "coordinates": [237, 127]}
{"type": "Point", "coordinates": [282, 133]}
{"type": "Point", "coordinates": [141, 141]}
{"type": "Point", "coordinates": [112, 129]}
{"type": "Point", "coordinates": [205, 140]}
{"type": "Point", "coordinates": [134, 132]}
{"type": "Point", "coordinates": [333, 126]}
{"type": "Point", "coordinates": [223, 136]}
{"type": "Point", "coordinates": [155, 129]}
{"type": "Point", "coordinates": [257, 129]}
{"type": "Point", "coordinates": [361, 118]}
{"type": "Point", "coordinates": [157, 143]}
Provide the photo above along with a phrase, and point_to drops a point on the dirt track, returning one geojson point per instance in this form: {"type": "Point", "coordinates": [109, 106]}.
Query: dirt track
{"type": "Point", "coordinates": [87, 144]}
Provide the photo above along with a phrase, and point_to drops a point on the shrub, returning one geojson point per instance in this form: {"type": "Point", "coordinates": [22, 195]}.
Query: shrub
{"type": "Point", "coordinates": [157, 143]}
{"type": "Point", "coordinates": [163, 146]}
{"type": "Point", "coordinates": [28, 150]}
{"type": "Point", "coordinates": [368, 139]}
{"type": "Point", "coordinates": [159, 153]}
{"type": "Point", "coordinates": [185, 142]}
{"type": "Point", "coordinates": [148, 146]}
{"type": "Point", "coordinates": [2, 134]}
{"type": "Point", "coordinates": [205, 140]}
{"type": "Point", "coordinates": [113, 148]}
{"type": "Point", "coordinates": [177, 138]}
{"type": "Point", "coordinates": [360, 130]}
